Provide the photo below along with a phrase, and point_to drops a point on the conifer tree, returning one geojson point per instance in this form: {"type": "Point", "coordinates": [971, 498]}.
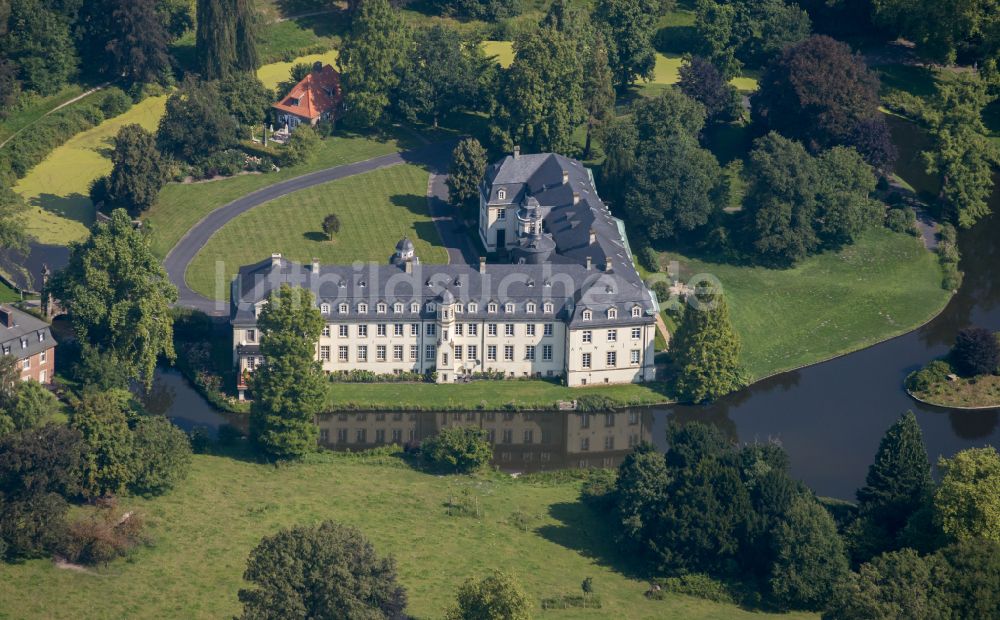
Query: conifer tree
{"type": "Point", "coordinates": [898, 485]}
{"type": "Point", "coordinates": [246, 32]}
{"type": "Point", "coordinates": [706, 351]}
{"type": "Point", "coordinates": [468, 165]}
{"type": "Point", "coordinates": [215, 39]}
{"type": "Point", "coordinates": [598, 89]}
{"type": "Point", "coordinates": [289, 388]}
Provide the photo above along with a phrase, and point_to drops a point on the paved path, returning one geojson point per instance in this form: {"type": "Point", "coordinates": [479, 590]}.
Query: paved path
{"type": "Point", "coordinates": [436, 156]}
{"type": "Point", "coordinates": [454, 238]}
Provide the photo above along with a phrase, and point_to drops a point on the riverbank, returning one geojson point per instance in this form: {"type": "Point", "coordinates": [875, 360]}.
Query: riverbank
{"type": "Point", "coordinates": [973, 394]}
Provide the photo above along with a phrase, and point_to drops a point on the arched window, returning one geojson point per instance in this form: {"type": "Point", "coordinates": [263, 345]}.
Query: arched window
{"type": "Point", "coordinates": [587, 314]}
{"type": "Point", "coordinates": [612, 313]}
{"type": "Point", "coordinates": [501, 194]}
{"type": "Point", "coordinates": [636, 311]}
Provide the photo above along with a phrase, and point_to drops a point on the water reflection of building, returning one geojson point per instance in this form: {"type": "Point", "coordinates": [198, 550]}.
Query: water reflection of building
{"type": "Point", "coordinates": [529, 441]}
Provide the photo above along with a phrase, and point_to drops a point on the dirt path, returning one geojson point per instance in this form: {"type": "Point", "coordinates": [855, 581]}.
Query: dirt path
{"type": "Point", "coordinates": [55, 109]}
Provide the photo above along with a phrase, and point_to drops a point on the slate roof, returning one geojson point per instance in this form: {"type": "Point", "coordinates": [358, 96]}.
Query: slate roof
{"type": "Point", "coordinates": [313, 94]}
{"type": "Point", "coordinates": [26, 337]}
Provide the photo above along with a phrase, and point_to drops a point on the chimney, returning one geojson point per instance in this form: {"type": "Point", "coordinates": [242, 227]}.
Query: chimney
{"type": "Point", "coordinates": [6, 317]}
{"type": "Point", "coordinates": [408, 266]}
{"type": "Point", "coordinates": [607, 264]}
{"type": "Point", "coordinates": [517, 151]}
{"type": "Point", "coordinates": [315, 268]}
{"type": "Point", "coordinates": [576, 198]}
{"type": "Point", "coordinates": [565, 177]}
{"type": "Point", "coordinates": [482, 264]}
{"type": "Point", "coordinates": [275, 259]}
{"type": "Point", "coordinates": [590, 263]}
{"type": "Point", "coordinates": [593, 236]}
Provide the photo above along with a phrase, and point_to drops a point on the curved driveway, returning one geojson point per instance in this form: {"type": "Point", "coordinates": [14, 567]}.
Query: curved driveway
{"type": "Point", "coordinates": [435, 156]}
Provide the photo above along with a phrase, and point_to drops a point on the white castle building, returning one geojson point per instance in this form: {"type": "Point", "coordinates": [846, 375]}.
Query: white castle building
{"type": "Point", "coordinates": [563, 299]}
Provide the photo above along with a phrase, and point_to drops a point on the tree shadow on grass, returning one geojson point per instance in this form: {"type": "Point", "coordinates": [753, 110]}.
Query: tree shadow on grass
{"type": "Point", "coordinates": [588, 532]}
{"type": "Point", "coordinates": [427, 231]}
{"type": "Point", "coordinates": [412, 202]}
{"type": "Point", "coordinates": [75, 206]}
{"type": "Point", "coordinates": [316, 236]}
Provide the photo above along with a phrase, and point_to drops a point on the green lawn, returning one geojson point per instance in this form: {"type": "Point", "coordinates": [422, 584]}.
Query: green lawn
{"type": "Point", "coordinates": [57, 188]}
{"type": "Point", "coordinates": [203, 532]}
{"type": "Point", "coordinates": [7, 293]}
{"type": "Point", "coordinates": [277, 72]}
{"type": "Point", "coordinates": [375, 209]}
{"type": "Point", "coordinates": [884, 285]}
{"type": "Point", "coordinates": [484, 395]}
{"type": "Point", "coordinates": [38, 108]}
{"type": "Point", "coordinates": [980, 392]}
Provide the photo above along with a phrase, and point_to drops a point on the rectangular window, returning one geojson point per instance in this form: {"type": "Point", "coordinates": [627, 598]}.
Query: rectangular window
{"type": "Point", "coordinates": [473, 350]}
{"type": "Point", "coordinates": [547, 352]}
{"type": "Point", "coordinates": [612, 335]}
{"type": "Point", "coordinates": [508, 436]}
{"type": "Point", "coordinates": [458, 351]}
{"type": "Point", "coordinates": [633, 417]}
{"type": "Point", "coordinates": [609, 442]}
{"type": "Point", "coordinates": [458, 329]}
{"type": "Point", "coordinates": [584, 444]}
{"type": "Point", "coordinates": [491, 329]}
{"type": "Point", "coordinates": [326, 330]}
{"type": "Point", "coordinates": [636, 333]}
{"type": "Point", "coordinates": [529, 352]}
{"type": "Point", "coordinates": [414, 329]}
{"type": "Point", "coordinates": [397, 436]}
{"type": "Point", "coordinates": [548, 329]}
{"type": "Point", "coordinates": [430, 353]}
{"type": "Point", "coordinates": [414, 352]}
{"type": "Point", "coordinates": [26, 364]}
{"type": "Point", "coordinates": [397, 353]}
{"type": "Point", "coordinates": [362, 353]}
{"type": "Point", "coordinates": [501, 214]}
{"type": "Point", "coordinates": [473, 329]}
{"type": "Point", "coordinates": [343, 331]}
{"type": "Point", "coordinates": [362, 331]}
{"type": "Point", "coordinates": [609, 420]}
{"type": "Point", "coordinates": [529, 436]}
{"type": "Point", "coordinates": [431, 329]}
{"type": "Point", "coordinates": [508, 329]}
{"type": "Point", "coordinates": [508, 353]}
{"type": "Point", "coordinates": [380, 329]}
{"type": "Point", "coordinates": [530, 329]}
{"type": "Point", "coordinates": [612, 359]}
{"type": "Point", "coordinates": [380, 435]}
{"type": "Point", "coordinates": [491, 353]}
{"type": "Point", "coordinates": [341, 435]}
{"type": "Point", "coordinates": [251, 335]}
{"type": "Point", "coordinates": [324, 354]}
{"type": "Point", "coordinates": [634, 357]}
{"type": "Point", "coordinates": [361, 435]}
{"type": "Point", "coordinates": [342, 353]}
{"type": "Point", "coordinates": [380, 353]}
{"type": "Point", "coordinates": [588, 336]}
{"type": "Point", "coordinates": [444, 360]}
{"type": "Point", "coordinates": [585, 362]}
{"type": "Point", "coordinates": [585, 420]}
{"type": "Point", "coordinates": [397, 329]}
{"type": "Point", "coordinates": [43, 356]}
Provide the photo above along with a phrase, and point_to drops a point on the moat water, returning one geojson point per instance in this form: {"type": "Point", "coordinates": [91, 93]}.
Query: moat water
{"type": "Point", "coordinates": [829, 417]}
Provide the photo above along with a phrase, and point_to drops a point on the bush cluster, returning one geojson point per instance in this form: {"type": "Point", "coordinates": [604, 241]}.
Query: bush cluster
{"type": "Point", "coordinates": [901, 220]}
{"type": "Point", "coordinates": [948, 256]}
{"type": "Point", "coordinates": [367, 376]}
{"type": "Point", "coordinates": [458, 449]}
{"type": "Point", "coordinates": [698, 585]}
{"type": "Point", "coordinates": [928, 376]}
{"type": "Point", "coordinates": [102, 537]}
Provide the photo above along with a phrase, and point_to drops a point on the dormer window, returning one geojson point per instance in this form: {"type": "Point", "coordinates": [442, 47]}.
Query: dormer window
{"type": "Point", "coordinates": [491, 308]}
{"type": "Point", "coordinates": [430, 307]}
{"type": "Point", "coordinates": [362, 308]}
{"type": "Point", "coordinates": [414, 307]}
{"type": "Point", "coordinates": [343, 308]}
{"type": "Point", "coordinates": [587, 315]}
{"type": "Point", "coordinates": [293, 101]}
{"type": "Point", "coordinates": [548, 307]}
{"type": "Point", "coordinates": [501, 194]}
{"type": "Point", "coordinates": [381, 308]}
{"type": "Point", "coordinates": [324, 308]}
{"type": "Point", "coordinates": [459, 308]}
{"type": "Point", "coordinates": [397, 308]}
{"type": "Point", "coordinates": [41, 336]}
{"type": "Point", "coordinates": [473, 307]}
{"type": "Point", "coordinates": [612, 313]}
{"type": "Point", "coordinates": [530, 307]}
{"type": "Point", "coordinates": [508, 308]}
{"type": "Point", "coordinates": [636, 311]}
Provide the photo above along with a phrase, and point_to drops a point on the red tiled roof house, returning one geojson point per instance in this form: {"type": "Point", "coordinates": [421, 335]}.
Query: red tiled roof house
{"type": "Point", "coordinates": [313, 99]}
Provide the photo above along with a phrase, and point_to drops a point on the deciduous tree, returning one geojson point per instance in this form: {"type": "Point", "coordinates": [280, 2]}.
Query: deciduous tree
{"type": "Point", "coordinates": [468, 165]}
{"type": "Point", "coordinates": [976, 352]}
{"type": "Point", "coordinates": [13, 235]}
{"type": "Point", "coordinates": [38, 42]}
{"type": "Point", "coordinates": [118, 297]}
{"type": "Point", "coordinates": [162, 455]}
{"type": "Point", "coordinates": [289, 390]}
{"type": "Point", "coordinates": [701, 80]}
{"type": "Point", "coordinates": [459, 449]}
{"type": "Point", "coordinates": [628, 27]}
{"type": "Point", "coordinates": [641, 492]}
{"type": "Point", "coordinates": [323, 571]}
{"type": "Point", "coordinates": [598, 89]}
{"type": "Point", "coordinates": [496, 596]}
{"type": "Point", "coordinates": [138, 173]}
{"type": "Point", "coordinates": [125, 38]}
{"type": "Point", "coordinates": [195, 125]}
{"type": "Point", "coordinates": [967, 503]}
{"type": "Point", "coordinates": [108, 465]}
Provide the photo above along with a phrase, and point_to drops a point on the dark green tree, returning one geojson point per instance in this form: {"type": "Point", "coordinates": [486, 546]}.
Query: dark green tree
{"type": "Point", "coordinates": [373, 54]}
{"type": "Point", "coordinates": [628, 27]}
{"type": "Point", "coordinates": [844, 205]}
{"type": "Point", "coordinates": [809, 557]}
{"type": "Point", "coordinates": [701, 80]}
{"type": "Point", "coordinates": [598, 89]}
{"type": "Point", "coordinates": [497, 596]}
{"type": "Point", "coordinates": [13, 235]}
{"type": "Point", "coordinates": [118, 297]}
{"type": "Point", "coordinates": [246, 98]}
{"type": "Point", "coordinates": [246, 32]}
{"type": "Point", "coordinates": [331, 225]}
{"type": "Point", "coordinates": [40, 460]}
{"type": "Point", "coordinates": [976, 352]}
{"type": "Point", "coordinates": [139, 171]}
{"type": "Point", "coordinates": [323, 571]}
{"type": "Point", "coordinates": [972, 586]}
{"type": "Point", "coordinates": [741, 33]}
{"type": "Point", "coordinates": [39, 44]}
{"type": "Point", "coordinates": [215, 39]}
{"type": "Point", "coordinates": [899, 584]}
{"type": "Point", "coordinates": [195, 125]}
{"type": "Point", "coordinates": [129, 39]}
{"type": "Point", "coordinates": [468, 165]}
{"type": "Point", "coordinates": [540, 101]}
{"type": "Point", "coordinates": [670, 113]}
{"type": "Point", "coordinates": [641, 492]}
{"type": "Point", "coordinates": [108, 465]}
{"type": "Point", "coordinates": [941, 28]}
{"type": "Point", "coordinates": [898, 485]}
{"type": "Point", "coordinates": [619, 140]}
{"type": "Point", "coordinates": [458, 449]}
{"type": "Point", "coordinates": [30, 404]}
{"type": "Point", "coordinates": [10, 87]}
{"type": "Point", "coordinates": [289, 390]}
{"type": "Point", "coordinates": [705, 350]}
{"type": "Point", "coordinates": [780, 202]}
{"type": "Point", "coordinates": [162, 455]}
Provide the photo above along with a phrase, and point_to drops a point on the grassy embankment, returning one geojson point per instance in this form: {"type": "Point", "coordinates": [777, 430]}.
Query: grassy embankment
{"type": "Point", "coordinates": [982, 392]}
{"type": "Point", "coordinates": [203, 532]}
{"type": "Point", "coordinates": [38, 108]}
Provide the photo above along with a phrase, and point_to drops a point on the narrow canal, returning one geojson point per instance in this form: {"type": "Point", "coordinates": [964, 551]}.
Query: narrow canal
{"type": "Point", "coordinates": [828, 417]}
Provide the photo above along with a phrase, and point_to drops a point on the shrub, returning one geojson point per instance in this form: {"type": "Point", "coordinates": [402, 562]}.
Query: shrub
{"type": "Point", "coordinates": [358, 375]}
{"type": "Point", "coordinates": [465, 505]}
{"type": "Point", "coordinates": [115, 102]}
{"type": "Point", "coordinates": [498, 595]}
{"type": "Point", "coordinates": [224, 163]}
{"type": "Point", "coordinates": [103, 537]}
{"type": "Point", "coordinates": [520, 520]}
{"type": "Point", "coordinates": [901, 220]}
{"type": "Point", "coordinates": [301, 147]}
{"type": "Point", "coordinates": [948, 256]}
{"type": "Point", "coordinates": [698, 585]}
{"type": "Point", "coordinates": [458, 449]}
{"type": "Point", "coordinates": [28, 148]}
{"type": "Point", "coordinates": [599, 488]}
{"type": "Point", "coordinates": [649, 259]}
{"type": "Point", "coordinates": [934, 373]}
{"type": "Point", "coordinates": [162, 455]}
{"type": "Point", "coordinates": [595, 402]}
{"type": "Point", "coordinates": [331, 225]}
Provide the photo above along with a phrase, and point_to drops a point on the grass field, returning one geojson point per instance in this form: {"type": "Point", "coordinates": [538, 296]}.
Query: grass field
{"type": "Point", "coordinates": [181, 206]}
{"type": "Point", "coordinates": [7, 293]}
{"type": "Point", "coordinates": [38, 108]}
{"type": "Point", "coordinates": [375, 209]}
{"type": "Point", "coordinates": [57, 188]}
{"type": "Point", "coordinates": [884, 285]}
{"type": "Point", "coordinates": [204, 531]}
{"type": "Point", "coordinates": [484, 395]}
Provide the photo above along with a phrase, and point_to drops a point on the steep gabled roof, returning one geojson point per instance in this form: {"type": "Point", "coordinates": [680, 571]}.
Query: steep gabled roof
{"type": "Point", "coordinates": [317, 93]}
